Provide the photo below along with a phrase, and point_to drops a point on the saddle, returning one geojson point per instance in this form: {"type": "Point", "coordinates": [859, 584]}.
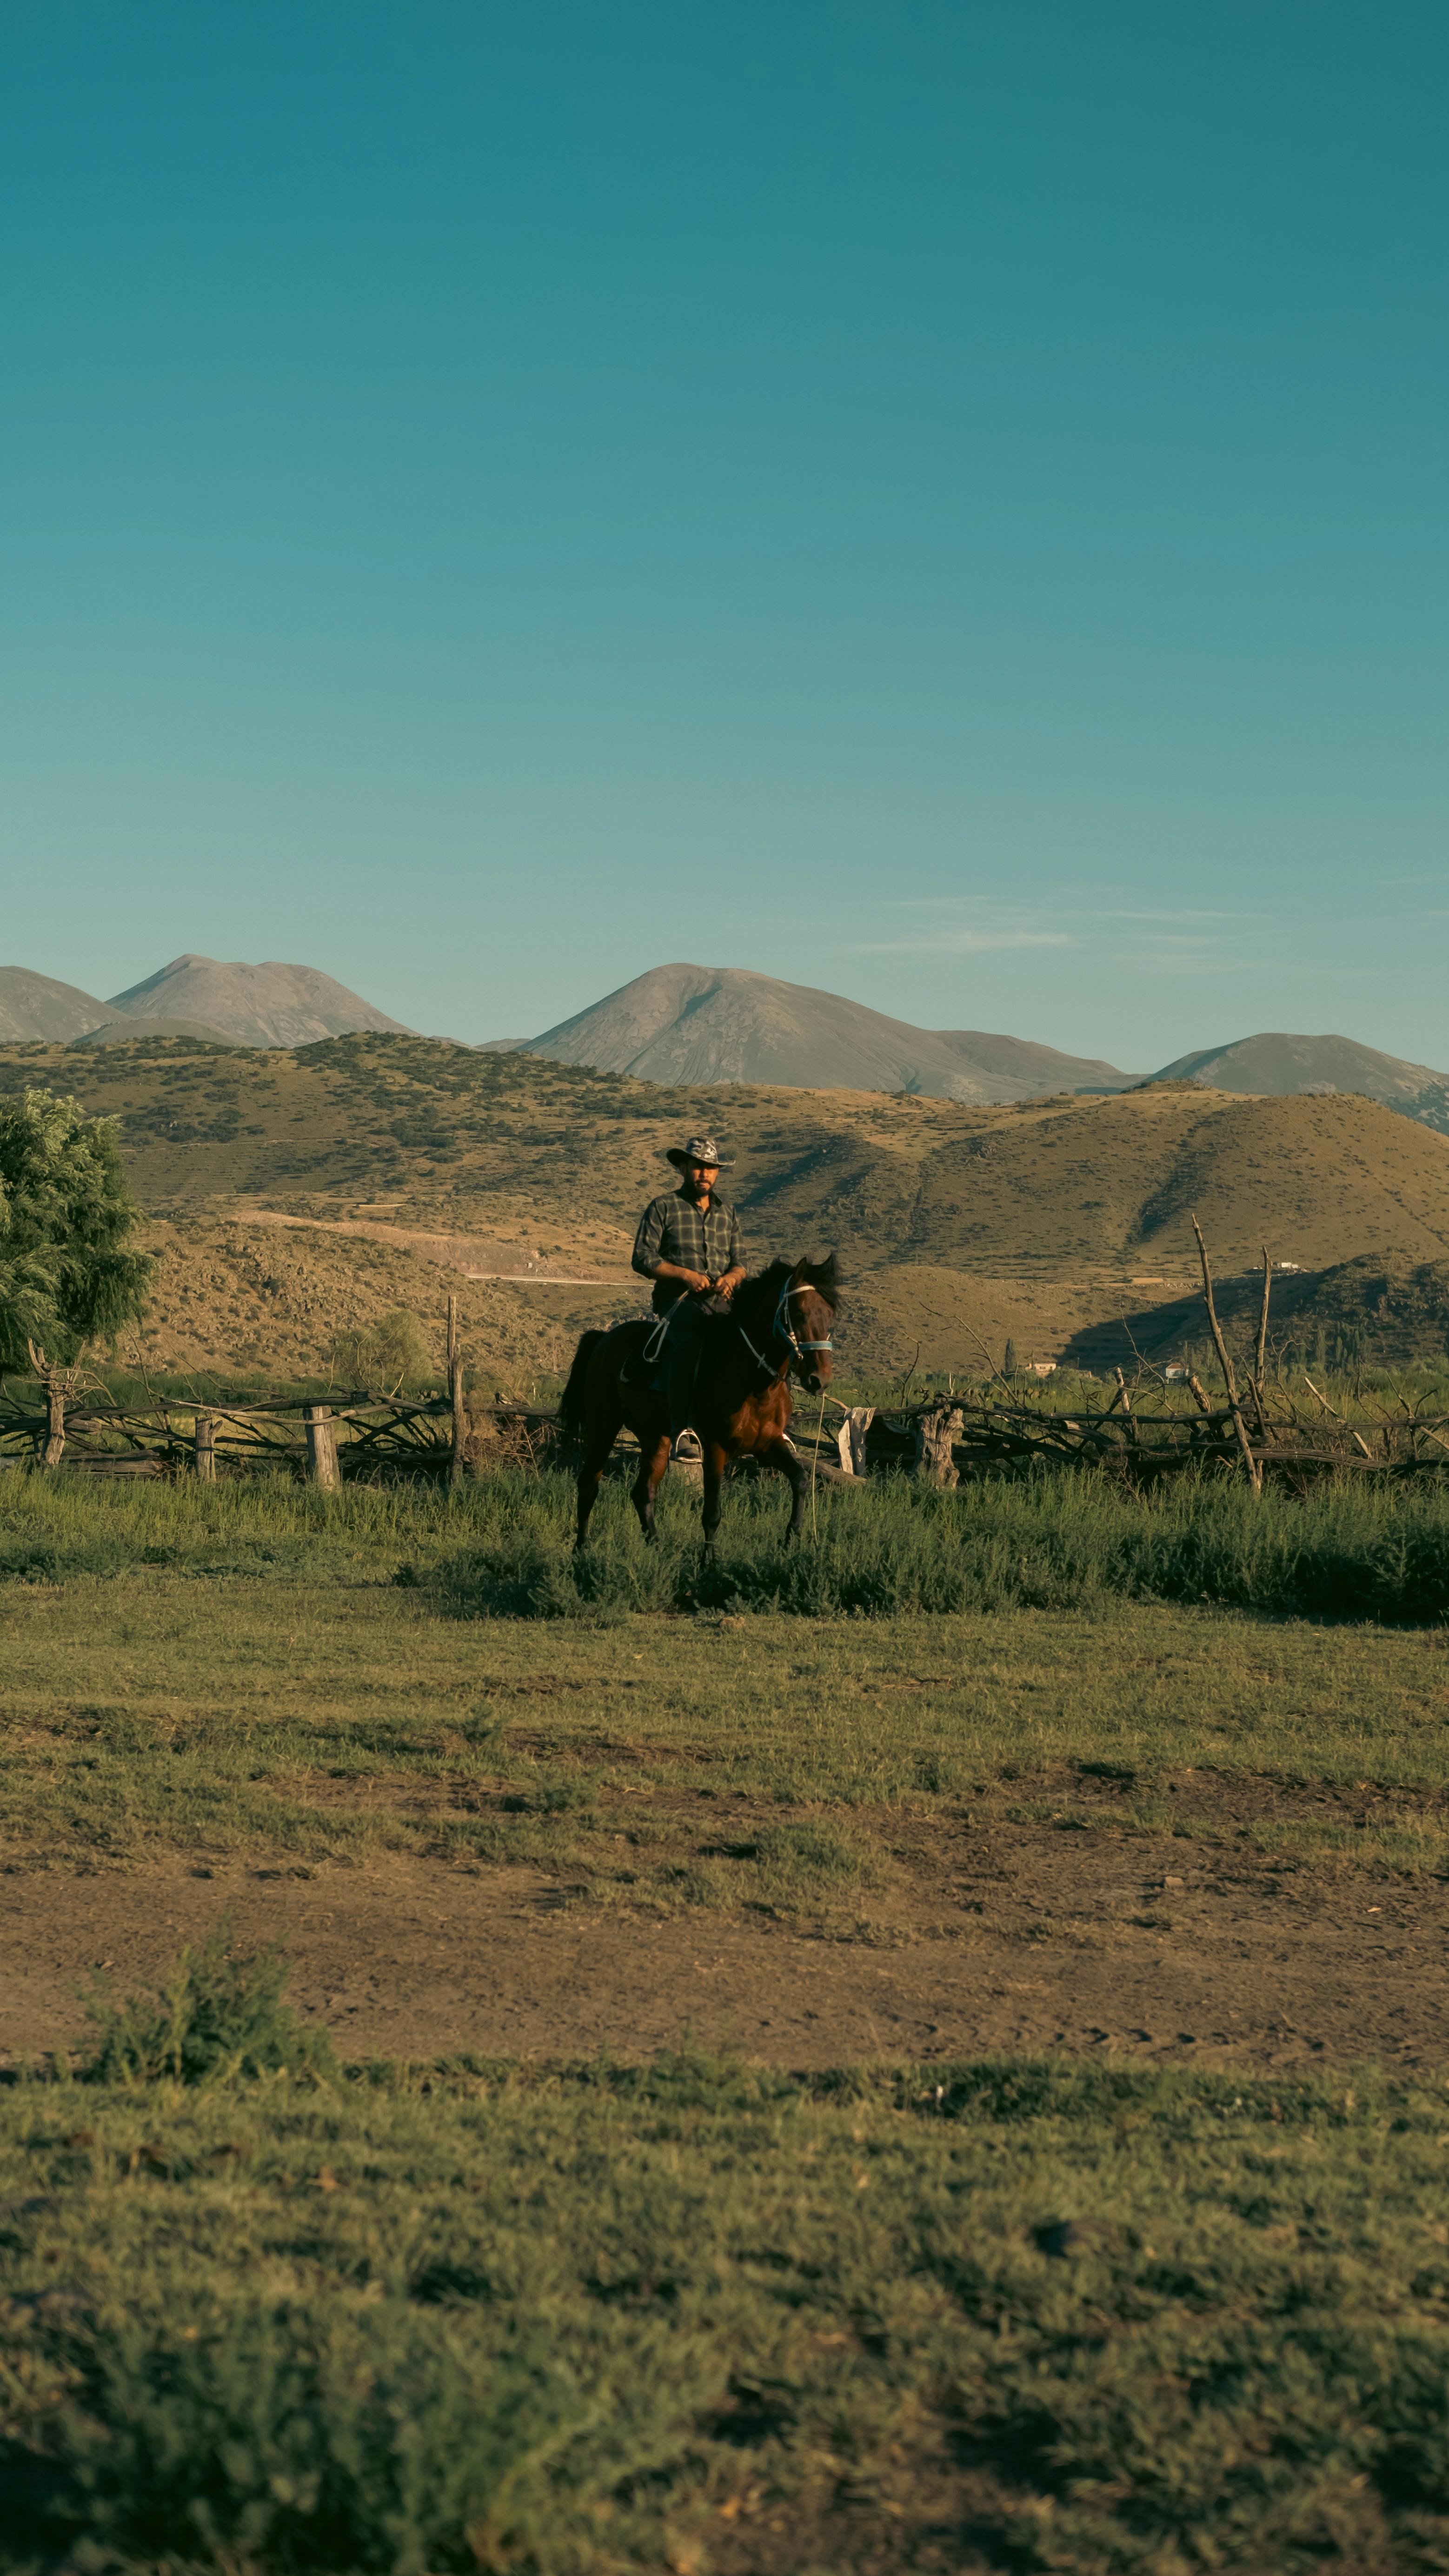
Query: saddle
{"type": "Point", "coordinates": [645, 1367]}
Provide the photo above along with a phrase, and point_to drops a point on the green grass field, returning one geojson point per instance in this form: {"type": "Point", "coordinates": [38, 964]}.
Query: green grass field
{"type": "Point", "coordinates": [263, 1669]}
{"type": "Point", "coordinates": [702, 2318]}
{"type": "Point", "coordinates": [697, 2316]}
{"type": "Point", "coordinates": [1373, 1549]}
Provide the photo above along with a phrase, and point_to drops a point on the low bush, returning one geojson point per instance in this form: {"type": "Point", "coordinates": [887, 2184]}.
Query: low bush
{"type": "Point", "coordinates": [391, 1353]}
{"type": "Point", "coordinates": [220, 2014]}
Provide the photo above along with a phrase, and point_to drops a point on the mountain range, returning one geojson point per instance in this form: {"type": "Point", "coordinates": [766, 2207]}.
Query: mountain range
{"type": "Point", "coordinates": [194, 997]}
{"type": "Point", "coordinates": [1276, 1064]}
{"type": "Point", "coordinates": [703, 1025]}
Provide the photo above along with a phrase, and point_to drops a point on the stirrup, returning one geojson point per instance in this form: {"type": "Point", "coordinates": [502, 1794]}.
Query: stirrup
{"type": "Point", "coordinates": [688, 1449]}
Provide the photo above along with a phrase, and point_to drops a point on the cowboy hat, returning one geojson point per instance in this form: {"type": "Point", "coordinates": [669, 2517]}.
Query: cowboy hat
{"type": "Point", "coordinates": [698, 1149]}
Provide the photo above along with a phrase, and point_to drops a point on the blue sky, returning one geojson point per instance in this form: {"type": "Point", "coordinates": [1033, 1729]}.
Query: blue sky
{"type": "Point", "coordinates": [945, 503]}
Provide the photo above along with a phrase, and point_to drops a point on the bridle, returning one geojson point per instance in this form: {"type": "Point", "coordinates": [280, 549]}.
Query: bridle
{"type": "Point", "coordinates": [782, 1329]}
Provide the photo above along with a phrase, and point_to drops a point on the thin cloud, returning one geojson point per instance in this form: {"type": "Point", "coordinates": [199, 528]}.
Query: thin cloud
{"type": "Point", "coordinates": [1188, 940]}
{"type": "Point", "coordinates": [965, 926]}
{"type": "Point", "coordinates": [960, 943]}
{"type": "Point", "coordinates": [1176, 912]}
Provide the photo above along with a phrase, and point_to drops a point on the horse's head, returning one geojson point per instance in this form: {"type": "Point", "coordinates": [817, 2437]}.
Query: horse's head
{"type": "Point", "coordinates": [811, 1296]}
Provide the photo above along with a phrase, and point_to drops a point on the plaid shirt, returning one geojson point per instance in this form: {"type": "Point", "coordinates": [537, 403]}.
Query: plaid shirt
{"type": "Point", "coordinates": [672, 1228]}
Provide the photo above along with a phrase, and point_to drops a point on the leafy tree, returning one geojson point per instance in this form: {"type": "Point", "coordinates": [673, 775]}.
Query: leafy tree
{"type": "Point", "coordinates": [65, 1215]}
{"type": "Point", "coordinates": [393, 1352]}
{"type": "Point", "coordinates": [1008, 1364]}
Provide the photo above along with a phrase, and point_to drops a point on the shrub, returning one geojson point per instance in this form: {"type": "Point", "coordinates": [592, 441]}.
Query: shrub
{"type": "Point", "coordinates": [220, 2014]}
{"type": "Point", "coordinates": [393, 1352]}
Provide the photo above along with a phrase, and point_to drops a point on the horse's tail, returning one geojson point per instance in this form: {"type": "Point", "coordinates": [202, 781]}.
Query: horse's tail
{"type": "Point", "coordinates": [571, 1402]}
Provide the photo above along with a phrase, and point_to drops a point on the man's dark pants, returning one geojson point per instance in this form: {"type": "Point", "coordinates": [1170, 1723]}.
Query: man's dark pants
{"type": "Point", "coordinates": [683, 1344]}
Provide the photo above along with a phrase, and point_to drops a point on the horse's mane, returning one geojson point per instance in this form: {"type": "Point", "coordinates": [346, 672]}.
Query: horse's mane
{"type": "Point", "coordinates": [752, 1297]}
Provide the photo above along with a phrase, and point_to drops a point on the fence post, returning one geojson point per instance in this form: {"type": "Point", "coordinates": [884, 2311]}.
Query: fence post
{"type": "Point", "coordinates": [321, 1447]}
{"type": "Point", "coordinates": [935, 1431]}
{"type": "Point", "coordinates": [850, 1443]}
{"type": "Point", "coordinates": [206, 1447]}
{"type": "Point", "coordinates": [50, 1455]}
{"type": "Point", "coordinates": [1253, 1465]}
{"type": "Point", "coordinates": [455, 1394]}
{"type": "Point", "coordinates": [58, 1384]}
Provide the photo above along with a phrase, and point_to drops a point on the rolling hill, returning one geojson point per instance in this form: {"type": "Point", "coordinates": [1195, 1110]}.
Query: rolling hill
{"type": "Point", "coordinates": [1279, 1065]}
{"type": "Point", "coordinates": [258, 1006]}
{"type": "Point", "coordinates": [1046, 1220]}
{"type": "Point", "coordinates": [1359, 1310]}
{"type": "Point", "coordinates": [1046, 1187]}
{"type": "Point", "coordinates": [37, 1007]}
{"type": "Point", "coordinates": [708, 1024]}
{"type": "Point", "coordinates": [120, 1029]}
{"type": "Point", "coordinates": [231, 1294]}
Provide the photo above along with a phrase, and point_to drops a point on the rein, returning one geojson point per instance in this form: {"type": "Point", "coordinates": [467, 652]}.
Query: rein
{"type": "Point", "coordinates": [783, 1327]}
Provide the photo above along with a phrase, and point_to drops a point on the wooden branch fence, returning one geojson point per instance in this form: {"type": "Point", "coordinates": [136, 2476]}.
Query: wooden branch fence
{"type": "Point", "coordinates": [362, 1436]}
{"type": "Point", "coordinates": [947, 1437]}
{"type": "Point", "coordinates": [1143, 1432]}
{"type": "Point", "coordinates": [1260, 1427]}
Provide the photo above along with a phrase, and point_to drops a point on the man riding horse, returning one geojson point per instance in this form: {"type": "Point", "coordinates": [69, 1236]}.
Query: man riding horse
{"type": "Point", "coordinates": [731, 1346]}
{"type": "Point", "coordinates": [689, 1244]}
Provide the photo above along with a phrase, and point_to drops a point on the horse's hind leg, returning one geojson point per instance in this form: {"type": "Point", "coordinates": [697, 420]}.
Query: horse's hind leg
{"type": "Point", "coordinates": [714, 1467]}
{"type": "Point", "coordinates": [598, 1442]}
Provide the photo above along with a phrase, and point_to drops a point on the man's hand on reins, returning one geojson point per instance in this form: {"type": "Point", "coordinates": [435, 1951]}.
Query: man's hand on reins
{"type": "Point", "coordinates": [692, 1280]}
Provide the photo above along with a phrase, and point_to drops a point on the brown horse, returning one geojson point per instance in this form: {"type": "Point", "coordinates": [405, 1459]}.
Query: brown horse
{"type": "Point", "coordinates": [775, 1324]}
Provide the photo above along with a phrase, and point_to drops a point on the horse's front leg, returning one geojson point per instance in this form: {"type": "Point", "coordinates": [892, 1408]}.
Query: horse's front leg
{"type": "Point", "coordinates": [589, 1477]}
{"type": "Point", "coordinates": [595, 1460]}
{"type": "Point", "coordinates": [779, 1454]}
{"type": "Point", "coordinates": [714, 1467]}
{"type": "Point", "coordinates": [652, 1463]}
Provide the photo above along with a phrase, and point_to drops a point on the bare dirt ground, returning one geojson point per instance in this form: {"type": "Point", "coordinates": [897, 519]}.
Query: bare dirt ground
{"type": "Point", "coordinates": [999, 1936]}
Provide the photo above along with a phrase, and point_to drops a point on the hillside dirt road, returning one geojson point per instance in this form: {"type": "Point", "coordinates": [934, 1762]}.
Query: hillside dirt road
{"type": "Point", "coordinates": [474, 1256]}
{"type": "Point", "coordinates": [268, 1279]}
{"type": "Point", "coordinates": [1138, 1948]}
